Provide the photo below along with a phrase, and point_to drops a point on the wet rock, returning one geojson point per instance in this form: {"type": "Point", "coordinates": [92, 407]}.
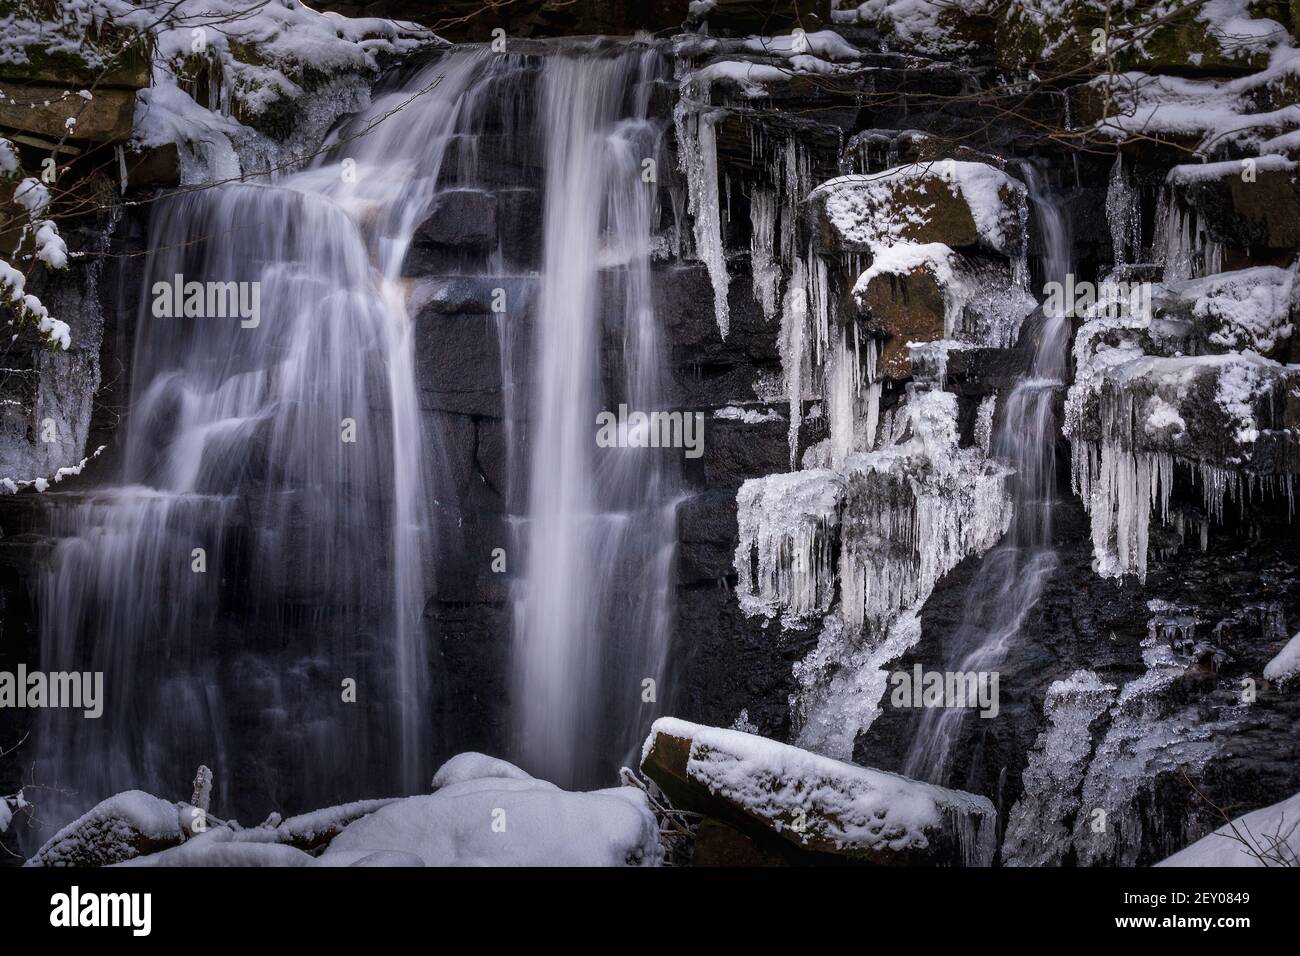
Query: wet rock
{"type": "Point", "coordinates": [156, 166]}
{"type": "Point", "coordinates": [905, 308]}
{"type": "Point", "coordinates": [717, 844]}
{"type": "Point", "coordinates": [459, 217]}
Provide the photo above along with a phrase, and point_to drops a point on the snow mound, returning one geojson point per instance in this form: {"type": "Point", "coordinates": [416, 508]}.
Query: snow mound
{"type": "Point", "coordinates": [1271, 832]}
{"type": "Point", "coordinates": [1285, 667]}
{"type": "Point", "coordinates": [504, 820]}
{"type": "Point", "coordinates": [475, 766]}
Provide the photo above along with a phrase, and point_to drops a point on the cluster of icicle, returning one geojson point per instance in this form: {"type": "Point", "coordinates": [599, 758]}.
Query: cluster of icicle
{"type": "Point", "coordinates": [1122, 489]}
{"type": "Point", "coordinates": [900, 518]}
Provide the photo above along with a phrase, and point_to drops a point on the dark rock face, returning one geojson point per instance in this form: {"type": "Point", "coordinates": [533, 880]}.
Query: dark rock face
{"type": "Point", "coordinates": [1235, 592]}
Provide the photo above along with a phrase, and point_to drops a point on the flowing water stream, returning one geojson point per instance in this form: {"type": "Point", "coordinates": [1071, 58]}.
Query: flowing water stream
{"type": "Point", "coordinates": [1011, 576]}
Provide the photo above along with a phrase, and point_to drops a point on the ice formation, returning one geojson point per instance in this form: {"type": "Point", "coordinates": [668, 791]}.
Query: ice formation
{"type": "Point", "coordinates": [1126, 423]}
{"type": "Point", "coordinates": [699, 162]}
{"type": "Point", "coordinates": [1038, 829]}
{"type": "Point", "coordinates": [913, 512]}
{"type": "Point", "coordinates": [1149, 734]}
{"type": "Point", "coordinates": [1123, 212]}
{"type": "Point", "coordinates": [789, 526]}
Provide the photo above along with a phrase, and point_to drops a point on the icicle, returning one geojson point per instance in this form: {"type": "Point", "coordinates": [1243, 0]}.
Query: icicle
{"type": "Point", "coordinates": [984, 423]}
{"type": "Point", "coordinates": [699, 163]}
{"type": "Point", "coordinates": [762, 250]}
{"type": "Point", "coordinates": [789, 528]}
{"type": "Point", "coordinates": [794, 351]}
{"type": "Point", "coordinates": [1124, 214]}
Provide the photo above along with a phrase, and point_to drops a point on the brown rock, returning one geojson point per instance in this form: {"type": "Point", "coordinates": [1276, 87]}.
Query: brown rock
{"type": "Point", "coordinates": [905, 308]}
{"type": "Point", "coordinates": [45, 110]}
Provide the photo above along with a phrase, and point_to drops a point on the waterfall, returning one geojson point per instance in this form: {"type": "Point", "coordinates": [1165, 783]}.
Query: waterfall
{"type": "Point", "coordinates": [591, 612]}
{"type": "Point", "coordinates": [1011, 576]}
{"type": "Point", "coordinates": [270, 538]}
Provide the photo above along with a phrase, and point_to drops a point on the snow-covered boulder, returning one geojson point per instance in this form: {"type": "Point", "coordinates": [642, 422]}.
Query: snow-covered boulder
{"type": "Point", "coordinates": [1131, 417]}
{"type": "Point", "coordinates": [1227, 410]}
{"type": "Point", "coordinates": [959, 204]}
{"type": "Point", "coordinates": [124, 826]}
{"type": "Point", "coordinates": [928, 27]}
{"type": "Point", "coordinates": [475, 766]}
{"type": "Point", "coordinates": [489, 813]}
{"type": "Point", "coordinates": [810, 803]}
{"type": "Point", "coordinates": [1269, 836]}
{"type": "Point", "coordinates": [1058, 35]}
{"type": "Point", "coordinates": [1250, 309]}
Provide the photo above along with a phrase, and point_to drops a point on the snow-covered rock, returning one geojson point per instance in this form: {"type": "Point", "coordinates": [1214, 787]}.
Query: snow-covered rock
{"type": "Point", "coordinates": [928, 27]}
{"type": "Point", "coordinates": [959, 204]}
{"type": "Point", "coordinates": [1285, 667]}
{"type": "Point", "coordinates": [812, 803]}
{"type": "Point", "coordinates": [124, 826]}
{"type": "Point", "coordinates": [1251, 203]}
{"type": "Point", "coordinates": [1247, 309]}
{"type": "Point", "coordinates": [1138, 407]}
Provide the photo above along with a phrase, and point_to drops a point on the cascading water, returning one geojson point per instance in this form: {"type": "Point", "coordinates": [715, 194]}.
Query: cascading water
{"type": "Point", "coordinates": [1011, 576]}
{"type": "Point", "coordinates": [272, 533]}
{"type": "Point", "coordinates": [270, 538]}
{"type": "Point", "coordinates": [591, 613]}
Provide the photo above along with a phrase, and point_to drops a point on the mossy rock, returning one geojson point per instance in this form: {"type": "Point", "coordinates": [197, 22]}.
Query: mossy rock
{"type": "Point", "coordinates": [124, 59]}
{"type": "Point", "coordinates": [1186, 45]}
{"type": "Point", "coordinates": [1063, 43]}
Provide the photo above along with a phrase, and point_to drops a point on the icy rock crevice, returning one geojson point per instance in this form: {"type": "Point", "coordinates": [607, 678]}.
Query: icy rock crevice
{"type": "Point", "coordinates": [880, 532]}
